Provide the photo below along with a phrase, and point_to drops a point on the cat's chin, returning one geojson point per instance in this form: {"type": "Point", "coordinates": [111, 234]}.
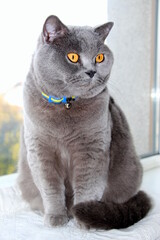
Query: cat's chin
{"type": "Point", "coordinates": [92, 92]}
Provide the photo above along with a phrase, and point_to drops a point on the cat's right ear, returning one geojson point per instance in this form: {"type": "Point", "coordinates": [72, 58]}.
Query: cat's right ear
{"type": "Point", "coordinates": [104, 30]}
{"type": "Point", "coordinates": [53, 29]}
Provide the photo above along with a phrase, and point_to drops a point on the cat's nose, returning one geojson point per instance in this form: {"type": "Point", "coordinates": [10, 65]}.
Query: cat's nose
{"type": "Point", "coordinates": [90, 73]}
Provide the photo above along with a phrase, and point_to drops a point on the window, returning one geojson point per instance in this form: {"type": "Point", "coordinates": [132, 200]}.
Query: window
{"type": "Point", "coordinates": [134, 80]}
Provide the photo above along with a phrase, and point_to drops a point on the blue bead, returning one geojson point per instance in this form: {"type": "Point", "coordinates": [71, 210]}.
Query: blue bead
{"type": "Point", "coordinates": [64, 100]}
{"type": "Point", "coordinates": [49, 99]}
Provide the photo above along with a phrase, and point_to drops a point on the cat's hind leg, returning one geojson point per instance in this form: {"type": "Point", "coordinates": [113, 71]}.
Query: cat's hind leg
{"type": "Point", "coordinates": [121, 205]}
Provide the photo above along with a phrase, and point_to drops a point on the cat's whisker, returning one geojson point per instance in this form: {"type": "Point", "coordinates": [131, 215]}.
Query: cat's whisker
{"type": "Point", "coordinates": [74, 80]}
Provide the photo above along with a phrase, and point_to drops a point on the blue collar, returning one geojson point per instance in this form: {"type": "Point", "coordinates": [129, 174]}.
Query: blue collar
{"type": "Point", "coordinates": [66, 101]}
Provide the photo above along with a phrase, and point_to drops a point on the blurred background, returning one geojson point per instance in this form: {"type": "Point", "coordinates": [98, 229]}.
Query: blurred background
{"type": "Point", "coordinates": [135, 77]}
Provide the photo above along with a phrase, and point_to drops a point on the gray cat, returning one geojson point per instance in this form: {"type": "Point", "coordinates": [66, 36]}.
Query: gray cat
{"type": "Point", "coordinates": [77, 154]}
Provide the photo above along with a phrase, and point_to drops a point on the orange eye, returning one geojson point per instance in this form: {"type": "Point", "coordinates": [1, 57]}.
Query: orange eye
{"type": "Point", "coordinates": [100, 58]}
{"type": "Point", "coordinates": [73, 57]}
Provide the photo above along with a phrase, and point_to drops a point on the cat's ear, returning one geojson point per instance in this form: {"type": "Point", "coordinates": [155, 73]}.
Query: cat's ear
{"type": "Point", "coordinates": [53, 29]}
{"type": "Point", "coordinates": [104, 30]}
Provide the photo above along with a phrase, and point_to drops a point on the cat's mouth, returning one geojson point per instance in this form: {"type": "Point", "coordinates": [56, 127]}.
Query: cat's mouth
{"type": "Point", "coordinates": [88, 90]}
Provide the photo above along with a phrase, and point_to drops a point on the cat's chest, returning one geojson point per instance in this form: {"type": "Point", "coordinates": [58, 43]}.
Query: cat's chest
{"type": "Point", "coordinates": [77, 119]}
{"type": "Point", "coordinates": [63, 124]}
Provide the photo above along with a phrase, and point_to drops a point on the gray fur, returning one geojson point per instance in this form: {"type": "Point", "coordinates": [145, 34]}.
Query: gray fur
{"type": "Point", "coordinates": [77, 155]}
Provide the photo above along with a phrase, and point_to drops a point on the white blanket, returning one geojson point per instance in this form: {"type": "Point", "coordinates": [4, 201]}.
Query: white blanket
{"type": "Point", "coordinates": [18, 222]}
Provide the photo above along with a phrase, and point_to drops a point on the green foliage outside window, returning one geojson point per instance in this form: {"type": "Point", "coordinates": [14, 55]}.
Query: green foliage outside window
{"type": "Point", "coordinates": [10, 122]}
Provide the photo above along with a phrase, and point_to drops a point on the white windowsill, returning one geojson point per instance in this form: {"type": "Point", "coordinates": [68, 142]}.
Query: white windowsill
{"type": "Point", "coordinates": [17, 213]}
{"type": "Point", "coordinates": [151, 162]}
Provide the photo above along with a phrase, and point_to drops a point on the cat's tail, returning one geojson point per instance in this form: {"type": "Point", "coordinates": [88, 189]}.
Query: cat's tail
{"type": "Point", "coordinates": [109, 215]}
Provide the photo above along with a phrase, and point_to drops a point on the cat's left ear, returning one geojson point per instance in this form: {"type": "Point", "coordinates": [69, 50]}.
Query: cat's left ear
{"type": "Point", "coordinates": [53, 29]}
{"type": "Point", "coordinates": [104, 30]}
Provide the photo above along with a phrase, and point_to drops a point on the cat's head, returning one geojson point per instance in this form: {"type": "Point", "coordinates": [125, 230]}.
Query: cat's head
{"type": "Point", "coordinates": [72, 60]}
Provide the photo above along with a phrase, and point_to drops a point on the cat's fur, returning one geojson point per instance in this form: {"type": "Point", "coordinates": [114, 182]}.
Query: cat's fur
{"type": "Point", "coordinates": [79, 162]}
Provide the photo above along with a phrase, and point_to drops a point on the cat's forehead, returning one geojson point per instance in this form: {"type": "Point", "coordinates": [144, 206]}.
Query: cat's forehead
{"type": "Point", "coordinates": [85, 38]}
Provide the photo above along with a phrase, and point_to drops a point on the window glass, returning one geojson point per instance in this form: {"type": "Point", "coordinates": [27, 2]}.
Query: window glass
{"type": "Point", "coordinates": [10, 120]}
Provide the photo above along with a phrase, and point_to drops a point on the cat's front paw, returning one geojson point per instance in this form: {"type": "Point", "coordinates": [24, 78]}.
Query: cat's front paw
{"type": "Point", "coordinates": [51, 220]}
